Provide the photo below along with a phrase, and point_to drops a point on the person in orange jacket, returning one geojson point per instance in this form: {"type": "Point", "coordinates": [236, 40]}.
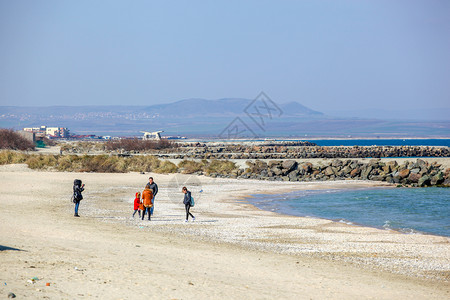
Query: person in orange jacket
{"type": "Point", "coordinates": [137, 202]}
{"type": "Point", "coordinates": [147, 199]}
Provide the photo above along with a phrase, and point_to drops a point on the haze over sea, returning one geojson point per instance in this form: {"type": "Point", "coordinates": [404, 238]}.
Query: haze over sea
{"type": "Point", "coordinates": [409, 210]}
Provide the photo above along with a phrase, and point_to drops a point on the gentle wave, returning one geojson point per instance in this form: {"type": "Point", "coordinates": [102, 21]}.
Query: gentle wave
{"type": "Point", "coordinates": [407, 210]}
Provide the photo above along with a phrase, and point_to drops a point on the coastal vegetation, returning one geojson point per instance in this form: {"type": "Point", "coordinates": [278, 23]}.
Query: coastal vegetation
{"type": "Point", "coordinates": [138, 144]}
{"type": "Point", "coordinates": [9, 139]}
{"type": "Point", "coordinates": [418, 173]}
{"type": "Point", "coordinates": [117, 146]}
{"type": "Point", "coordinates": [114, 163]}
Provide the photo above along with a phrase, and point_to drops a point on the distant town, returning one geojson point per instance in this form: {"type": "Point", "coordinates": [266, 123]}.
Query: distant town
{"type": "Point", "coordinates": [38, 133]}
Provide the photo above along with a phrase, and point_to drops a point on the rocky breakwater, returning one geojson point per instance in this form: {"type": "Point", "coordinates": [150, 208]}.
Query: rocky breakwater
{"type": "Point", "coordinates": [417, 173]}
{"type": "Point", "coordinates": [203, 151]}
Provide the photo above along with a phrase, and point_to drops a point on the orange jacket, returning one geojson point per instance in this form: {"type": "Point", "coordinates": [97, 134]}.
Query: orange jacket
{"type": "Point", "coordinates": [147, 197]}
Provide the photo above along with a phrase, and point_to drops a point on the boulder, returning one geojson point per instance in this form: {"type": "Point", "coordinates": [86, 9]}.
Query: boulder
{"type": "Point", "coordinates": [414, 177]}
{"type": "Point", "coordinates": [355, 172]}
{"type": "Point", "coordinates": [377, 178]}
{"type": "Point", "coordinates": [437, 179]}
{"type": "Point", "coordinates": [392, 163]}
{"type": "Point", "coordinates": [273, 163]}
{"type": "Point", "coordinates": [415, 170]}
{"type": "Point", "coordinates": [424, 180]}
{"type": "Point", "coordinates": [421, 163]}
{"type": "Point", "coordinates": [337, 163]}
{"type": "Point", "coordinates": [354, 165]}
{"type": "Point", "coordinates": [386, 168]}
{"type": "Point", "coordinates": [373, 162]}
{"type": "Point", "coordinates": [328, 171]}
{"type": "Point", "coordinates": [447, 173]}
{"type": "Point", "coordinates": [404, 173]}
{"type": "Point", "coordinates": [307, 167]}
{"type": "Point", "coordinates": [396, 179]}
{"type": "Point", "coordinates": [289, 165]}
{"type": "Point", "coordinates": [276, 171]}
{"type": "Point", "coordinates": [365, 172]}
{"type": "Point", "coordinates": [346, 170]}
{"type": "Point", "coordinates": [293, 176]}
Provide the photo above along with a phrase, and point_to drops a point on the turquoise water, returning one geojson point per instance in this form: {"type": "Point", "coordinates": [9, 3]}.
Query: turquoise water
{"type": "Point", "coordinates": [409, 210]}
{"type": "Point", "coordinates": [360, 142]}
{"type": "Point", "coordinates": [384, 142]}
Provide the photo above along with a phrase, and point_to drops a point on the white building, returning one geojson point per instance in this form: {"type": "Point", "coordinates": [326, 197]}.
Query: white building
{"type": "Point", "coordinates": [53, 132]}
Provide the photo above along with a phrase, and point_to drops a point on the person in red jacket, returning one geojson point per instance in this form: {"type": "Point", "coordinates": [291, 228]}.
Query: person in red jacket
{"type": "Point", "coordinates": [137, 202]}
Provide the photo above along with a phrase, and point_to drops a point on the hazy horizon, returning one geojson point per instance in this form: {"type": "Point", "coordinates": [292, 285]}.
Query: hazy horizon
{"type": "Point", "coordinates": [407, 113]}
{"type": "Point", "coordinates": [326, 55]}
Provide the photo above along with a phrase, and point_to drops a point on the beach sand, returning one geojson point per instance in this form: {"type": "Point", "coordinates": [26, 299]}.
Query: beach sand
{"type": "Point", "coordinates": [231, 251]}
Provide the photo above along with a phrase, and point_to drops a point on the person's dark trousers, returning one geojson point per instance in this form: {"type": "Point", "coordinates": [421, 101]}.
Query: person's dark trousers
{"type": "Point", "coordinates": [77, 204]}
{"type": "Point", "coordinates": [188, 207]}
{"type": "Point", "coordinates": [137, 210]}
{"type": "Point", "coordinates": [146, 210]}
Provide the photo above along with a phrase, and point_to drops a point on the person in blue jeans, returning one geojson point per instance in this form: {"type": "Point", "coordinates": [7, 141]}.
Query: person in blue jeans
{"type": "Point", "coordinates": [77, 196]}
{"type": "Point", "coordinates": [154, 187]}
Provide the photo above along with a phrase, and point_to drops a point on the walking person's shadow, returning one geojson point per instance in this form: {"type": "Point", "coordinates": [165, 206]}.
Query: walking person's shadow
{"type": "Point", "coordinates": [5, 248]}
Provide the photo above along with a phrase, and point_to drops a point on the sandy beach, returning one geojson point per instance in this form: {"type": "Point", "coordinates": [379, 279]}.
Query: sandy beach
{"type": "Point", "coordinates": [232, 251]}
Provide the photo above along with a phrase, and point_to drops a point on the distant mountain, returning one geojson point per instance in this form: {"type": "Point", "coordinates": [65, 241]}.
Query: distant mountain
{"type": "Point", "coordinates": [222, 107]}
{"type": "Point", "coordinates": [183, 108]}
{"type": "Point", "coordinates": [213, 118]}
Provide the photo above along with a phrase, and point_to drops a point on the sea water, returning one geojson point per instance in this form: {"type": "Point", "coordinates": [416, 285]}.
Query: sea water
{"type": "Point", "coordinates": [445, 142]}
{"type": "Point", "coordinates": [409, 210]}
{"type": "Point", "coordinates": [384, 142]}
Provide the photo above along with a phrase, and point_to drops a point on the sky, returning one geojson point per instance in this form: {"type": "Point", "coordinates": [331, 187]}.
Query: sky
{"type": "Point", "coordinates": [326, 55]}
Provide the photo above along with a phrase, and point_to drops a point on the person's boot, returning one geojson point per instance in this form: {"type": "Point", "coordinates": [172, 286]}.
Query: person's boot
{"type": "Point", "coordinates": [76, 215]}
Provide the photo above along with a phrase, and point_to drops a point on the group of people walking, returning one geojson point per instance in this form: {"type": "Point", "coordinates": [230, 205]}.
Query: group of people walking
{"type": "Point", "coordinates": [146, 201]}
{"type": "Point", "coordinates": [143, 203]}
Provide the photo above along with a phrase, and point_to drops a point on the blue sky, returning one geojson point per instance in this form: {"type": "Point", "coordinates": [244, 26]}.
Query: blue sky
{"type": "Point", "coordinates": [327, 55]}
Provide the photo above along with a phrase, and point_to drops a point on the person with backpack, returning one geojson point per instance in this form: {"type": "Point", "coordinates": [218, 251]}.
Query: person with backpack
{"type": "Point", "coordinates": [78, 188]}
{"type": "Point", "coordinates": [154, 187]}
{"type": "Point", "coordinates": [188, 202]}
{"type": "Point", "coordinates": [147, 199]}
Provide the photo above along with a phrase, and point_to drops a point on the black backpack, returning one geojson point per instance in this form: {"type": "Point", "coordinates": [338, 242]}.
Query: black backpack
{"type": "Point", "coordinates": [77, 190]}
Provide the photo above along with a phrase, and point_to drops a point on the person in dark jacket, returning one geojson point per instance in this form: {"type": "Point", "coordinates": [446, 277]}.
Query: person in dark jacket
{"type": "Point", "coordinates": [154, 187]}
{"type": "Point", "coordinates": [77, 197]}
{"type": "Point", "coordinates": [187, 203]}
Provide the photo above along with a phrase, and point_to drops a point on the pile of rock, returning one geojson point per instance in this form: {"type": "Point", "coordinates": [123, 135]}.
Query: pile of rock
{"type": "Point", "coordinates": [299, 152]}
{"type": "Point", "coordinates": [417, 174]}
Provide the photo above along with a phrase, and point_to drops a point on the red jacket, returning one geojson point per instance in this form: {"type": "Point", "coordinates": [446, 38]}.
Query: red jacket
{"type": "Point", "coordinates": [137, 201]}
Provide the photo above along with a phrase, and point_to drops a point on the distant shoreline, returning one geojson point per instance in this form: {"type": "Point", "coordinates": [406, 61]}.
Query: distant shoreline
{"type": "Point", "coordinates": [279, 139]}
